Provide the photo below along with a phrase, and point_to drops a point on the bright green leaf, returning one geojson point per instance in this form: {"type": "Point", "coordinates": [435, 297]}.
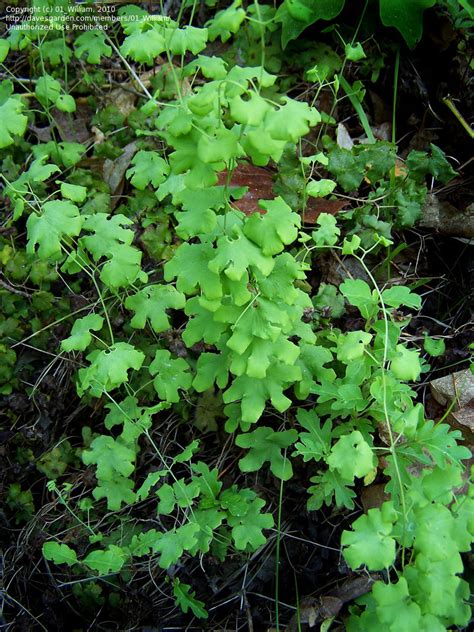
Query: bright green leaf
{"type": "Point", "coordinates": [105, 562]}
{"type": "Point", "coordinates": [352, 456]}
{"type": "Point", "coordinates": [151, 304]}
{"type": "Point", "coordinates": [59, 553]}
{"type": "Point", "coordinates": [92, 44]}
{"type": "Point", "coordinates": [370, 542]}
{"type": "Point", "coordinates": [58, 219]}
{"type": "Point", "coordinates": [111, 457]}
{"type": "Point", "coordinates": [399, 295]}
{"type": "Point", "coordinates": [171, 374]}
{"type": "Point", "coordinates": [433, 346]}
{"type": "Point", "coordinates": [80, 337]}
{"type": "Point", "coordinates": [73, 192]}
{"type": "Point", "coordinates": [147, 167]}
{"type": "Point", "coordinates": [320, 188]}
{"type": "Point", "coordinates": [109, 368]}
{"type": "Point", "coordinates": [277, 228]}
{"type": "Point", "coordinates": [13, 121]}
{"type": "Point", "coordinates": [266, 445]}
{"type": "Point", "coordinates": [185, 599]}
{"type": "Point", "coordinates": [406, 363]}
{"type": "Point", "coordinates": [247, 529]}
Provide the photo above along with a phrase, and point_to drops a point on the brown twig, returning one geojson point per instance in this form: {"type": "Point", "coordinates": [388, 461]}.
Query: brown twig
{"type": "Point", "coordinates": [13, 290]}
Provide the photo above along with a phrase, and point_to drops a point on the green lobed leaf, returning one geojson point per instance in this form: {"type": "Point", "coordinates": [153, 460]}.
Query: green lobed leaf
{"type": "Point", "coordinates": [291, 121]}
{"type": "Point", "coordinates": [151, 304]}
{"type": "Point", "coordinates": [253, 393]}
{"type": "Point", "coordinates": [320, 188]}
{"type": "Point", "coordinates": [92, 44]}
{"type": "Point", "coordinates": [433, 346]}
{"type": "Point", "coordinates": [405, 363]}
{"type": "Point", "coordinates": [80, 337]}
{"type": "Point", "coordinates": [73, 192]}
{"type": "Point", "coordinates": [144, 46]}
{"type": "Point", "coordinates": [111, 456]}
{"type": "Point", "coordinates": [330, 487]}
{"type": "Point", "coordinates": [316, 442]}
{"type": "Point", "coordinates": [235, 256]}
{"type": "Point", "coordinates": [328, 231]}
{"type": "Point", "coordinates": [172, 544]}
{"type": "Point", "coordinates": [190, 265]}
{"type": "Point", "coordinates": [247, 529]}
{"type": "Point", "coordinates": [399, 295]}
{"type": "Point", "coordinates": [59, 219]}
{"type": "Point", "coordinates": [352, 456]}
{"type": "Point", "coordinates": [370, 542]}
{"type": "Point", "coordinates": [109, 369]}
{"type": "Point", "coordinates": [172, 374]}
{"type": "Point", "coordinates": [47, 90]}
{"type": "Point", "coordinates": [106, 561]}
{"type": "Point", "coordinates": [59, 553]}
{"type": "Point", "coordinates": [277, 228]}
{"type": "Point", "coordinates": [117, 491]}
{"type": "Point", "coordinates": [186, 600]}
{"type": "Point", "coordinates": [266, 445]}
{"type": "Point", "coordinates": [358, 293]}
{"type": "Point", "coordinates": [147, 167]}
{"type": "Point", "coordinates": [226, 22]}
{"type": "Point", "coordinates": [406, 17]}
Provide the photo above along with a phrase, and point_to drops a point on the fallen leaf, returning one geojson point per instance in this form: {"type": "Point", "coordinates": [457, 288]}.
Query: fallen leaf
{"type": "Point", "coordinates": [446, 218]}
{"type": "Point", "coordinates": [373, 497]}
{"type": "Point", "coordinates": [123, 99]}
{"type": "Point", "coordinates": [382, 131]}
{"type": "Point", "coordinates": [43, 134]}
{"type": "Point", "coordinates": [343, 138]}
{"type": "Point", "coordinates": [315, 207]}
{"type": "Point", "coordinates": [73, 128]}
{"type": "Point", "coordinates": [313, 610]}
{"type": "Point", "coordinates": [259, 182]}
{"type": "Point", "coordinates": [458, 386]}
{"type": "Point", "coordinates": [114, 170]}
{"type": "Point", "coordinates": [463, 420]}
{"type": "Point", "coordinates": [208, 408]}
{"type": "Point", "coordinates": [99, 136]}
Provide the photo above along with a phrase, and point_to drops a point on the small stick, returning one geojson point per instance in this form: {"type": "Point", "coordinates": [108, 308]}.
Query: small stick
{"type": "Point", "coordinates": [450, 105]}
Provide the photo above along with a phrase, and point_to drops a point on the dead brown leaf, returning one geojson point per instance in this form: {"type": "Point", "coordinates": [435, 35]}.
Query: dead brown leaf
{"type": "Point", "coordinates": [259, 182]}
{"type": "Point", "coordinates": [463, 420]}
{"type": "Point", "coordinates": [73, 128]}
{"type": "Point", "coordinates": [373, 496]}
{"type": "Point", "coordinates": [316, 206]}
{"type": "Point", "coordinates": [458, 386]}
{"type": "Point", "coordinates": [123, 99]}
{"type": "Point", "coordinates": [114, 170]}
{"type": "Point", "coordinates": [260, 187]}
{"type": "Point", "coordinates": [314, 610]}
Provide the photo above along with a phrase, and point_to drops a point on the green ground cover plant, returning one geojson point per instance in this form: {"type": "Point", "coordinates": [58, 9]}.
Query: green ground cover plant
{"type": "Point", "coordinates": [164, 296]}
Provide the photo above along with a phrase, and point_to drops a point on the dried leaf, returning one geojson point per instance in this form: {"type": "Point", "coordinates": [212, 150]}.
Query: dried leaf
{"type": "Point", "coordinates": [459, 386]}
{"type": "Point", "coordinates": [373, 497]}
{"type": "Point", "coordinates": [73, 128]}
{"type": "Point", "coordinates": [463, 420]}
{"type": "Point", "coordinates": [446, 218]}
{"type": "Point", "coordinates": [260, 187]}
{"type": "Point", "coordinates": [259, 182]}
{"type": "Point", "coordinates": [316, 206]}
{"type": "Point", "coordinates": [114, 170]}
{"type": "Point", "coordinates": [343, 138]}
{"type": "Point", "coordinates": [124, 100]}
